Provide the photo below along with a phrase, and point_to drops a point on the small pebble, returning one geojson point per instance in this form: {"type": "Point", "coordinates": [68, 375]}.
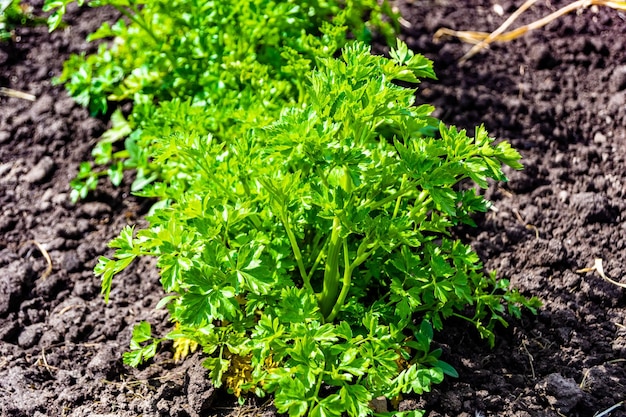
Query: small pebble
{"type": "Point", "coordinates": [562, 393]}
{"type": "Point", "coordinates": [13, 283]}
{"type": "Point", "coordinates": [64, 106]}
{"type": "Point", "coordinates": [541, 57]}
{"type": "Point", "coordinates": [60, 198]}
{"type": "Point", "coordinates": [617, 101]}
{"type": "Point", "coordinates": [41, 106]}
{"type": "Point", "coordinates": [41, 171]}
{"type": "Point", "coordinates": [5, 168]}
{"type": "Point", "coordinates": [617, 82]}
{"type": "Point", "coordinates": [30, 336]}
{"type": "Point", "coordinates": [4, 136]}
{"type": "Point", "coordinates": [599, 137]}
{"type": "Point", "coordinates": [94, 209]}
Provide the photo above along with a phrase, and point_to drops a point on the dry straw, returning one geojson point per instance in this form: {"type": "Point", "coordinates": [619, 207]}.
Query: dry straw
{"type": "Point", "coordinates": [597, 266]}
{"type": "Point", "coordinates": [9, 92]}
{"type": "Point", "coordinates": [482, 40]}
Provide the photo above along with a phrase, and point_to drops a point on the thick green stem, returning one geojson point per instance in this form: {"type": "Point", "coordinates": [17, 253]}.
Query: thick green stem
{"type": "Point", "coordinates": [330, 289]}
{"type": "Point", "coordinates": [399, 200]}
{"type": "Point", "coordinates": [296, 250]}
{"type": "Point", "coordinates": [347, 280]}
{"type": "Point", "coordinates": [362, 256]}
{"type": "Point", "coordinates": [318, 259]}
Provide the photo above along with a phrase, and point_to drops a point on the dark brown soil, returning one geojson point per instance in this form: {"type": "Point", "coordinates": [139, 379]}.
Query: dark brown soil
{"type": "Point", "coordinates": [559, 95]}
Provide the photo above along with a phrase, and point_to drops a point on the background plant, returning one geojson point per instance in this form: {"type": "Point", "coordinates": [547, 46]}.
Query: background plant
{"type": "Point", "coordinates": [242, 59]}
{"type": "Point", "coordinates": [13, 14]}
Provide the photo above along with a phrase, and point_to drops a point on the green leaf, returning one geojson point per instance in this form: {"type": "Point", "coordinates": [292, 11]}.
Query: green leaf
{"type": "Point", "coordinates": [116, 173]}
{"type": "Point", "coordinates": [290, 398]}
{"type": "Point", "coordinates": [102, 153]}
{"type": "Point", "coordinates": [357, 399]}
{"type": "Point", "coordinates": [417, 66]}
{"type": "Point", "coordinates": [120, 129]}
{"type": "Point", "coordinates": [105, 268]}
{"type": "Point", "coordinates": [297, 305]}
{"type": "Point", "coordinates": [444, 198]}
{"type": "Point", "coordinates": [133, 358]}
{"type": "Point", "coordinates": [141, 333]}
{"type": "Point", "coordinates": [328, 407]}
{"type": "Point", "coordinates": [509, 156]}
{"type": "Point", "coordinates": [447, 369]}
{"type": "Point", "coordinates": [139, 353]}
{"type": "Point", "coordinates": [217, 367]}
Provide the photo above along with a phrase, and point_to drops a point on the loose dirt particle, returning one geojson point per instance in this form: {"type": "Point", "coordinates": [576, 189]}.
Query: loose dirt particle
{"type": "Point", "coordinates": [561, 393]}
{"type": "Point", "coordinates": [40, 172]}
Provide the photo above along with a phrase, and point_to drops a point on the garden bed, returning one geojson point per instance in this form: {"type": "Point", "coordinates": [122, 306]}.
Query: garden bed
{"type": "Point", "coordinates": [558, 95]}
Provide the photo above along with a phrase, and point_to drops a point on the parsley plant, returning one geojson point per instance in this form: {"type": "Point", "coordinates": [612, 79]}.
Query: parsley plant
{"type": "Point", "coordinates": [303, 229]}
{"type": "Point", "coordinates": [310, 257]}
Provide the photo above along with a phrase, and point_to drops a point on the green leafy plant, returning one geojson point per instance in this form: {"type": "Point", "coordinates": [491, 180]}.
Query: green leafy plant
{"type": "Point", "coordinates": [12, 14]}
{"type": "Point", "coordinates": [303, 230]}
{"type": "Point", "coordinates": [243, 59]}
{"type": "Point", "coordinates": [309, 254]}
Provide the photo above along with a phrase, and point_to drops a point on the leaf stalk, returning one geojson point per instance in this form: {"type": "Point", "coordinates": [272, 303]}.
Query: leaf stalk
{"type": "Point", "coordinates": [328, 297]}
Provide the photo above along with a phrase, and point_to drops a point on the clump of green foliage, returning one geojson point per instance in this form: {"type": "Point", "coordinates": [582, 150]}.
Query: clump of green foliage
{"type": "Point", "coordinates": [314, 251]}
{"type": "Point", "coordinates": [303, 234]}
{"type": "Point", "coordinates": [243, 59]}
{"type": "Point", "coordinates": [13, 14]}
